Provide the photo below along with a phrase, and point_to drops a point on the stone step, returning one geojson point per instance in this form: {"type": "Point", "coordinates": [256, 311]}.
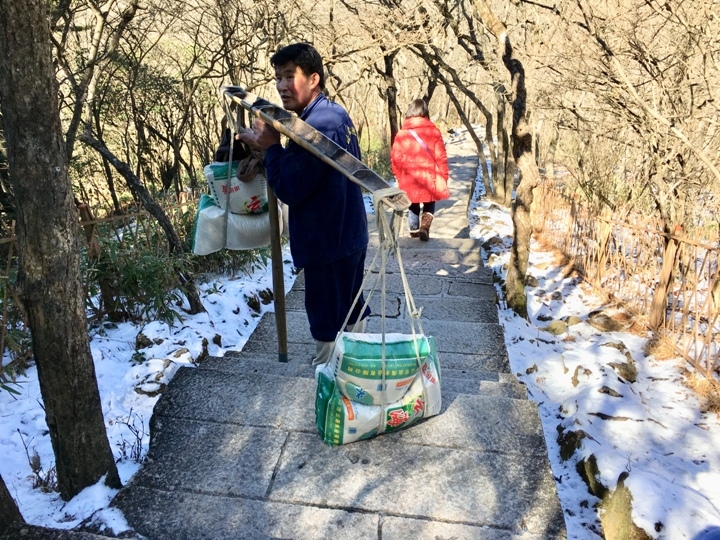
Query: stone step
{"type": "Point", "coordinates": [440, 306]}
{"type": "Point", "coordinates": [494, 361]}
{"type": "Point", "coordinates": [241, 452]}
{"type": "Point", "coordinates": [454, 380]}
{"type": "Point", "coordinates": [407, 244]}
{"type": "Point", "coordinates": [278, 401]}
{"type": "Point", "coordinates": [471, 285]}
{"type": "Point", "coordinates": [33, 532]}
{"type": "Point", "coordinates": [198, 516]}
{"type": "Point", "coordinates": [241, 361]}
{"type": "Point", "coordinates": [457, 337]}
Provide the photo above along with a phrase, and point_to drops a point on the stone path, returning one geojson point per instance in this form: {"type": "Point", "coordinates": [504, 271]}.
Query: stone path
{"type": "Point", "coordinates": [235, 453]}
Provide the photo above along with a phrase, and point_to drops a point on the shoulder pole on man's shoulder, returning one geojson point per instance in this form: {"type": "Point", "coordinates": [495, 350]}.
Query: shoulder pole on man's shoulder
{"type": "Point", "coordinates": [316, 143]}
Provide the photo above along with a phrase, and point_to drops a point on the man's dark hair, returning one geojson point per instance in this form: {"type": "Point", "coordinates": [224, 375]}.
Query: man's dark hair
{"type": "Point", "coordinates": [417, 107]}
{"type": "Point", "coordinates": [303, 55]}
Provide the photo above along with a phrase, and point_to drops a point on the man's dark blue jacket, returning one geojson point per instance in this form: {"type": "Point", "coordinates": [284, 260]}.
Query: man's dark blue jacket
{"type": "Point", "coordinates": [327, 216]}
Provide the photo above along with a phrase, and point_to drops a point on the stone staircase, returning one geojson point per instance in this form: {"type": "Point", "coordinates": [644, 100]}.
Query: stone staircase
{"type": "Point", "coordinates": [235, 451]}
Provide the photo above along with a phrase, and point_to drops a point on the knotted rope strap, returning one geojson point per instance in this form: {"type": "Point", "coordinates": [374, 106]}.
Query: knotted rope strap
{"type": "Point", "coordinates": [388, 234]}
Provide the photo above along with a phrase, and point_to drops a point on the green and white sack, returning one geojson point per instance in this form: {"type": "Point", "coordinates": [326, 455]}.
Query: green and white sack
{"type": "Point", "coordinates": [244, 231]}
{"type": "Point", "coordinates": [376, 383]}
{"type": "Point", "coordinates": [244, 197]}
{"type": "Point", "coordinates": [342, 420]}
{"type": "Point", "coordinates": [357, 365]}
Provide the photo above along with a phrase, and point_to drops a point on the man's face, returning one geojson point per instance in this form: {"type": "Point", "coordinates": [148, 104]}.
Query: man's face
{"type": "Point", "coordinates": [295, 88]}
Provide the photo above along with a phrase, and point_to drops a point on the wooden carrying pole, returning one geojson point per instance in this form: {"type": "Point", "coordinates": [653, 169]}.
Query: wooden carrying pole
{"type": "Point", "coordinates": [278, 277]}
{"type": "Point", "coordinates": [316, 143]}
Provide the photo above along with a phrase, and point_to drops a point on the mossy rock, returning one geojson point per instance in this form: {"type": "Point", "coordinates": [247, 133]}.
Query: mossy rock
{"type": "Point", "coordinates": [556, 328]}
{"type": "Point", "coordinates": [588, 470]}
{"type": "Point", "coordinates": [602, 322]}
{"type": "Point", "coordinates": [142, 342]}
{"type": "Point", "coordinates": [572, 320]}
{"type": "Point", "coordinates": [570, 441]}
{"type": "Point", "coordinates": [616, 514]}
{"type": "Point", "coordinates": [626, 370]}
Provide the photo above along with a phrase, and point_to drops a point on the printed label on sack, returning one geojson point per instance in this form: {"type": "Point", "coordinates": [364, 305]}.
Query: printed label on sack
{"type": "Point", "coordinates": [358, 364]}
{"type": "Point", "coordinates": [243, 197]}
{"type": "Point", "coordinates": [342, 419]}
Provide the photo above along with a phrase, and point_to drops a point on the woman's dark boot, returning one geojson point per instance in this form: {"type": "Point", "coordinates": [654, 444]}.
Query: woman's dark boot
{"type": "Point", "coordinates": [425, 222]}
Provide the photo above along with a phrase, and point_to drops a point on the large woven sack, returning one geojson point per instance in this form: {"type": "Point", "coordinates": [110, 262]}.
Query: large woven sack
{"type": "Point", "coordinates": [245, 197]}
{"type": "Point", "coordinates": [342, 420]}
{"type": "Point", "coordinates": [357, 364]}
{"type": "Point", "coordinates": [244, 231]}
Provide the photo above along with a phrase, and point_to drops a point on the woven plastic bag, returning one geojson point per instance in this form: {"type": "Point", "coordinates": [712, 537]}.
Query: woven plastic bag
{"type": "Point", "coordinates": [357, 365]}
{"type": "Point", "coordinates": [246, 193]}
{"type": "Point", "coordinates": [244, 231]}
{"type": "Point", "coordinates": [376, 383]}
{"type": "Point", "coordinates": [349, 405]}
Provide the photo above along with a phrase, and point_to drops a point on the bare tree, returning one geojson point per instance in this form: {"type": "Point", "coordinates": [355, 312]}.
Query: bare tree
{"type": "Point", "coordinates": [645, 137]}
{"type": "Point", "coordinates": [9, 512]}
{"type": "Point", "coordinates": [49, 280]}
{"type": "Point", "coordinates": [523, 155]}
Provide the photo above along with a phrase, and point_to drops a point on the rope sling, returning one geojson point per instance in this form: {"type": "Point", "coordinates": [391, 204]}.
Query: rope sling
{"type": "Point", "coordinates": [234, 123]}
{"type": "Point", "coordinates": [388, 235]}
{"type": "Point", "coordinates": [390, 200]}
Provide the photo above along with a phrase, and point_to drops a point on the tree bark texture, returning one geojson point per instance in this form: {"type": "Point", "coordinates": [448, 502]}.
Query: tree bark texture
{"type": "Point", "coordinates": [9, 512]}
{"type": "Point", "coordinates": [523, 153]}
{"type": "Point", "coordinates": [658, 309]}
{"type": "Point", "coordinates": [49, 277]}
{"type": "Point", "coordinates": [391, 95]}
{"type": "Point", "coordinates": [502, 178]}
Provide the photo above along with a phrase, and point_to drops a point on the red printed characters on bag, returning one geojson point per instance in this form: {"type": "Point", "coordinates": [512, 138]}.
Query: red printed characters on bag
{"type": "Point", "coordinates": [397, 418]}
{"type": "Point", "coordinates": [419, 406]}
{"type": "Point", "coordinates": [428, 375]}
{"type": "Point", "coordinates": [232, 189]}
{"type": "Point", "coordinates": [255, 204]}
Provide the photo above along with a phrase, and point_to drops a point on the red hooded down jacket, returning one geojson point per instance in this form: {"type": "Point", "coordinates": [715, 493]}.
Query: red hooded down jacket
{"type": "Point", "coordinates": [416, 171]}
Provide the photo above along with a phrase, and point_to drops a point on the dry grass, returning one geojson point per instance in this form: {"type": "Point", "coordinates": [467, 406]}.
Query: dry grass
{"type": "Point", "coordinates": [631, 324]}
{"type": "Point", "coordinates": [659, 348]}
{"type": "Point", "coordinates": [559, 259]}
{"type": "Point", "coordinates": [707, 391]}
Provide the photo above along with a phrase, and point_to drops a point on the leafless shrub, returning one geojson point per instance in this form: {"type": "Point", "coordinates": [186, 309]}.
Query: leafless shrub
{"type": "Point", "coordinates": [133, 448]}
{"type": "Point", "coordinates": [45, 480]}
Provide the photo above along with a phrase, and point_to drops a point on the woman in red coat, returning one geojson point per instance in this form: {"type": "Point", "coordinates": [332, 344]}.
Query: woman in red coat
{"type": "Point", "coordinates": [419, 162]}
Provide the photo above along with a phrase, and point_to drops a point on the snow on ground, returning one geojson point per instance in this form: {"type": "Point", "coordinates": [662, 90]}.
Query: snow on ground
{"type": "Point", "coordinates": [129, 383]}
{"type": "Point", "coordinates": [650, 429]}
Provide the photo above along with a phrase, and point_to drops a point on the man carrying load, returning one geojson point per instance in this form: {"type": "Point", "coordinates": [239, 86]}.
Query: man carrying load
{"type": "Point", "coordinates": [327, 217]}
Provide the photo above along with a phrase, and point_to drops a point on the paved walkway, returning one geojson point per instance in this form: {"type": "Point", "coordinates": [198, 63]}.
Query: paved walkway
{"type": "Point", "coordinates": [235, 453]}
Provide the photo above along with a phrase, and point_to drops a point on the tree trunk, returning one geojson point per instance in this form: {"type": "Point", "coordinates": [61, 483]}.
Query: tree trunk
{"type": "Point", "coordinates": [433, 59]}
{"type": "Point", "coordinates": [9, 512]}
{"type": "Point", "coordinates": [604, 234]}
{"type": "Point", "coordinates": [502, 189]}
{"type": "Point", "coordinates": [525, 161]}
{"type": "Point", "coordinates": [658, 310]}
{"type": "Point", "coordinates": [391, 95]}
{"type": "Point", "coordinates": [49, 254]}
{"type": "Point", "coordinates": [549, 159]}
{"type": "Point", "coordinates": [106, 168]}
